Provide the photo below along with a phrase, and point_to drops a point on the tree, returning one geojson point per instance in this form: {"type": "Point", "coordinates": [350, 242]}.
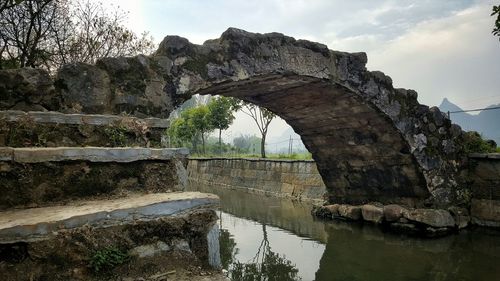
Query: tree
{"type": "Point", "coordinates": [496, 28]}
{"type": "Point", "coordinates": [244, 143]}
{"type": "Point", "coordinates": [50, 33]}
{"type": "Point", "coordinates": [200, 120]}
{"type": "Point", "coordinates": [6, 4]}
{"type": "Point", "coordinates": [99, 34]}
{"type": "Point", "coordinates": [26, 31]}
{"type": "Point", "coordinates": [181, 131]}
{"type": "Point", "coordinates": [221, 114]}
{"type": "Point", "coordinates": [262, 118]}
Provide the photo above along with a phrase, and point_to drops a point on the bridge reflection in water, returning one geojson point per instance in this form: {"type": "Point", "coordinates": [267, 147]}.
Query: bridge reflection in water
{"type": "Point", "coordinates": [267, 238]}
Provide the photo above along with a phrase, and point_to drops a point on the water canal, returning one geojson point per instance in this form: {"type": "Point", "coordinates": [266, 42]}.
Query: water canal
{"type": "Point", "coordinates": [268, 238]}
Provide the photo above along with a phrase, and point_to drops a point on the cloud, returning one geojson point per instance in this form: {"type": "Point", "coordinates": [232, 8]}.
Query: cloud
{"type": "Point", "coordinates": [455, 57]}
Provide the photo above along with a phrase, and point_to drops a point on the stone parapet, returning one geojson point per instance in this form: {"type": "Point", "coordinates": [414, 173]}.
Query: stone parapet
{"type": "Point", "coordinates": [52, 129]}
{"type": "Point", "coordinates": [79, 119]}
{"type": "Point", "coordinates": [92, 154]}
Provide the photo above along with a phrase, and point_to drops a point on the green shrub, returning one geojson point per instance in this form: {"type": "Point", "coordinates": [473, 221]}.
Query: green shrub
{"type": "Point", "coordinates": [474, 143]}
{"type": "Point", "coordinates": [108, 258]}
{"type": "Point", "coordinates": [117, 135]}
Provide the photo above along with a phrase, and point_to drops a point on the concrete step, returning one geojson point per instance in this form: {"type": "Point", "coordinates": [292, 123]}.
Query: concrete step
{"type": "Point", "coordinates": [34, 177]}
{"type": "Point", "coordinates": [52, 129]}
{"type": "Point", "coordinates": [42, 223]}
{"type": "Point", "coordinates": [123, 237]}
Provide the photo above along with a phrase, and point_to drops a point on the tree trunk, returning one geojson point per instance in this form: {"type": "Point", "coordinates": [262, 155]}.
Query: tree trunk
{"type": "Point", "coordinates": [220, 143]}
{"type": "Point", "coordinates": [203, 142]}
{"type": "Point", "coordinates": [263, 146]}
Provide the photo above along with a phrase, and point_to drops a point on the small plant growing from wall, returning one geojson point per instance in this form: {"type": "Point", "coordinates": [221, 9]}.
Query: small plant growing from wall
{"type": "Point", "coordinates": [108, 258]}
{"type": "Point", "coordinates": [116, 135]}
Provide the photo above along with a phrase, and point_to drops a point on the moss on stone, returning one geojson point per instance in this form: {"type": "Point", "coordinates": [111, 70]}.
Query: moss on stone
{"type": "Point", "coordinates": [474, 143]}
{"type": "Point", "coordinates": [199, 64]}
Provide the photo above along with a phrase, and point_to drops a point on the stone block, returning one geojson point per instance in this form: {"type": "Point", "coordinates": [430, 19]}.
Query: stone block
{"type": "Point", "coordinates": [485, 212]}
{"type": "Point", "coordinates": [150, 250]}
{"type": "Point", "coordinates": [393, 212]}
{"type": "Point", "coordinates": [350, 212]}
{"type": "Point", "coordinates": [333, 209]}
{"type": "Point", "coordinates": [461, 216]}
{"type": "Point", "coordinates": [372, 213]}
{"type": "Point", "coordinates": [433, 217]}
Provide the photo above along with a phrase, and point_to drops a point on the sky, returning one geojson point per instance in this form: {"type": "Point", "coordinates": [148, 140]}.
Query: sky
{"type": "Point", "coordinates": [440, 48]}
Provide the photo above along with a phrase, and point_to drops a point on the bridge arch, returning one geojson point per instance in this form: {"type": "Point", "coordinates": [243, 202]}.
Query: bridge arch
{"type": "Point", "coordinates": [371, 142]}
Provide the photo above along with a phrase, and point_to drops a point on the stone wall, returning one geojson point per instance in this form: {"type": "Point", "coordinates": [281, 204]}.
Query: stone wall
{"type": "Point", "coordinates": [484, 174]}
{"type": "Point", "coordinates": [284, 178]}
{"type": "Point", "coordinates": [34, 177]}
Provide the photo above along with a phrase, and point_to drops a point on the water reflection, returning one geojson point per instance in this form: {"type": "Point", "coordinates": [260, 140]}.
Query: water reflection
{"type": "Point", "coordinates": [265, 265]}
{"type": "Point", "coordinates": [264, 238]}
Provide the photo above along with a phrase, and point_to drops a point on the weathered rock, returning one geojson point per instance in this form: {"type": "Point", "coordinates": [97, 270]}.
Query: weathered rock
{"type": "Point", "coordinates": [181, 245]}
{"type": "Point", "coordinates": [372, 213]}
{"type": "Point", "coordinates": [432, 217]}
{"type": "Point", "coordinates": [393, 212]}
{"type": "Point", "coordinates": [138, 85]}
{"type": "Point", "coordinates": [437, 115]}
{"type": "Point", "coordinates": [333, 209]}
{"type": "Point", "coordinates": [461, 216]}
{"type": "Point", "coordinates": [150, 250]}
{"type": "Point", "coordinates": [84, 88]}
{"type": "Point", "coordinates": [350, 212]}
{"type": "Point", "coordinates": [320, 212]}
{"type": "Point", "coordinates": [27, 89]}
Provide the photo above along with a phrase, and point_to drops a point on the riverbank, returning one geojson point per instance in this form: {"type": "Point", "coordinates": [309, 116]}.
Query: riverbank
{"type": "Point", "coordinates": [297, 179]}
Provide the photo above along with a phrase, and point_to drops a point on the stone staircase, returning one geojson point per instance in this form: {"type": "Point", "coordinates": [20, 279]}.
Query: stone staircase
{"type": "Point", "coordinates": [93, 197]}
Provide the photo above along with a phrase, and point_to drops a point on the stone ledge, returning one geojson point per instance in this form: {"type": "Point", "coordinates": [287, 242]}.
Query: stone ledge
{"type": "Point", "coordinates": [92, 154]}
{"type": "Point", "coordinates": [252, 159]}
{"type": "Point", "coordinates": [39, 223]}
{"type": "Point", "coordinates": [485, 155]}
{"type": "Point", "coordinates": [78, 119]}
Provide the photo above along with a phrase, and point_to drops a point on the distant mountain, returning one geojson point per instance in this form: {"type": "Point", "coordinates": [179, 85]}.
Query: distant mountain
{"type": "Point", "coordinates": [487, 122]}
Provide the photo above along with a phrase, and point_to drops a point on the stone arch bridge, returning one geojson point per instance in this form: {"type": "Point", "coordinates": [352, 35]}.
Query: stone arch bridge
{"type": "Point", "coordinates": [371, 142]}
